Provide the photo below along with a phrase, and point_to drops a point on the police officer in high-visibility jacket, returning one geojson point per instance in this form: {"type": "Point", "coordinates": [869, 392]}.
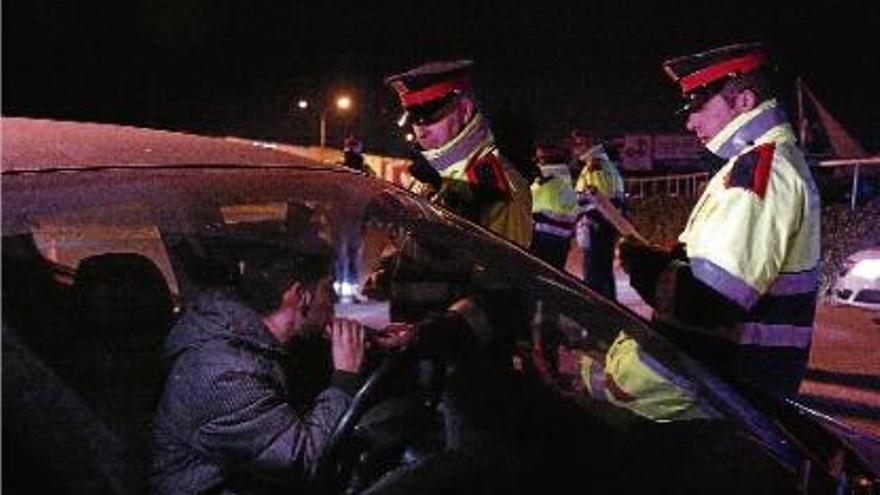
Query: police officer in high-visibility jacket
{"type": "Point", "coordinates": [455, 139]}
{"type": "Point", "coordinates": [596, 236]}
{"type": "Point", "coordinates": [458, 166]}
{"type": "Point", "coordinates": [554, 205]}
{"type": "Point", "coordinates": [740, 291]}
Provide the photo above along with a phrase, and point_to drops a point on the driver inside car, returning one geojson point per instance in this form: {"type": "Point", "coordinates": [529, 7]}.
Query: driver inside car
{"type": "Point", "coordinates": [224, 423]}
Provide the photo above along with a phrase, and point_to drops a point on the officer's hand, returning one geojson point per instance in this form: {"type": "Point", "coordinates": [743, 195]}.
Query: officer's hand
{"type": "Point", "coordinates": [631, 249]}
{"type": "Point", "coordinates": [347, 344]}
{"type": "Point", "coordinates": [376, 285]}
{"type": "Point", "coordinates": [644, 263]}
{"type": "Point", "coordinates": [394, 336]}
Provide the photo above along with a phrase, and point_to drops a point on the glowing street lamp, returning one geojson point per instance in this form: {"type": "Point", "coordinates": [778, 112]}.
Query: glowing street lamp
{"type": "Point", "coordinates": [344, 103]}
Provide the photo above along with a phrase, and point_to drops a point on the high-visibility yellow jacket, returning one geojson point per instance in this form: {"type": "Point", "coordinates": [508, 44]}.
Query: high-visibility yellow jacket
{"type": "Point", "coordinates": [479, 184]}
{"type": "Point", "coordinates": [599, 172]}
{"type": "Point", "coordinates": [554, 203]}
{"type": "Point", "coordinates": [754, 234]}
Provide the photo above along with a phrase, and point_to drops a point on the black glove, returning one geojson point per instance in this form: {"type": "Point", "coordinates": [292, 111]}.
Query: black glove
{"type": "Point", "coordinates": [422, 171]}
{"type": "Point", "coordinates": [643, 263]}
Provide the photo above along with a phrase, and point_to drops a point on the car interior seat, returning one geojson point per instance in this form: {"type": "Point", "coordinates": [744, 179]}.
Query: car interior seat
{"type": "Point", "coordinates": [34, 299]}
{"type": "Point", "coordinates": [122, 311]}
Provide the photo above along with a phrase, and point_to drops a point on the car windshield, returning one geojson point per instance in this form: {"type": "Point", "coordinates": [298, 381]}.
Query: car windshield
{"type": "Point", "coordinates": [114, 255]}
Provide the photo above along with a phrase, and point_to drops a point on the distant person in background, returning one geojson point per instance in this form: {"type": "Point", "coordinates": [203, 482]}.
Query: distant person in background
{"type": "Point", "coordinates": [739, 291]}
{"type": "Point", "coordinates": [554, 205]}
{"type": "Point", "coordinates": [353, 156]}
{"type": "Point", "coordinates": [596, 236]}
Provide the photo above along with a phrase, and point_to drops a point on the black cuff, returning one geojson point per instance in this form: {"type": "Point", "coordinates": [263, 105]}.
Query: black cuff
{"type": "Point", "coordinates": [645, 266]}
{"type": "Point", "coordinates": [699, 304]}
{"type": "Point", "coordinates": [346, 381]}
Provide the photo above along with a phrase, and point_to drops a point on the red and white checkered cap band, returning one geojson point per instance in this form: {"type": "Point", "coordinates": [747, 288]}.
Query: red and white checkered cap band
{"type": "Point", "coordinates": [746, 63]}
{"type": "Point", "coordinates": [430, 93]}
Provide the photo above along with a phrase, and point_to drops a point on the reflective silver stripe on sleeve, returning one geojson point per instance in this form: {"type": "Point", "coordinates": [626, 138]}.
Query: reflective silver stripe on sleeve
{"type": "Point", "coordinates": [729, 285]}
{"type": "Point", "coordinates": [787, 284]}
{"type": "Point", "coordinates": [768, 335]}
{"type": "Point", "coordinates": [559, 217]}
{"type": "Point", "coordinates": [554, 230]}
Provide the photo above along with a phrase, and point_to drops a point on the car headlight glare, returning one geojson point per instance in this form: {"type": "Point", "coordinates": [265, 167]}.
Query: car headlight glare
{"type": "Point", "coordinates": [869, 269]}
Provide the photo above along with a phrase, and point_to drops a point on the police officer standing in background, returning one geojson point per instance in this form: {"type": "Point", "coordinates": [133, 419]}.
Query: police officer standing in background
{"type": "Point", "coordinates": [740, 291]}
{"type": "Point", "coordinates": [353, 156]}
{"type": "Point", "coordinates": [554, 205]}
{"type": "Point", "coordinates": [596, 236]}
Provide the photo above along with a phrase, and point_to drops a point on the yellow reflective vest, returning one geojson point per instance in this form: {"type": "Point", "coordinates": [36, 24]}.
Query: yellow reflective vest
{"type": "Point", "coordinates": [599, 172]}
{"type": "Point", "coordinates": [554, 202]}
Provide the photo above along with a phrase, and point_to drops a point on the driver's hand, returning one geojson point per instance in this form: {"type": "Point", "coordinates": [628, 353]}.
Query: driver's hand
{"type": "Point", "coordinates": [394, 336]}
{"type": "Point", "coordinates": [347, 344]}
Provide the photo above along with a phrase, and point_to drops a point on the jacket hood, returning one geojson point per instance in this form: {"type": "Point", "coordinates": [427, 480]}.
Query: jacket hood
{"type": "Point", "coordinates": [220, 315]}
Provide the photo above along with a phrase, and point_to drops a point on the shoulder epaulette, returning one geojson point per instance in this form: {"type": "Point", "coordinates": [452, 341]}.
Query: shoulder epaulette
{"type": "Point", "coordinates": [488, 171]}
{"type": "Point", "coordinates": [752, 170]}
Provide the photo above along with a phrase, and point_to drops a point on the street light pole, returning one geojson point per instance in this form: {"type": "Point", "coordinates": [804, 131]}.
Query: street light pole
{"type": "Point", "coordinates": [323, 128]}
{"type": "Point", "coordinates": [343, 103]}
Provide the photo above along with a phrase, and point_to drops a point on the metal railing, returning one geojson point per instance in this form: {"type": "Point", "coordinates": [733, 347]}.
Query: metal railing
{"type": "Point", "coordinates": [857, 164]}
{"type": "Point", "coordinates": [688, 185]}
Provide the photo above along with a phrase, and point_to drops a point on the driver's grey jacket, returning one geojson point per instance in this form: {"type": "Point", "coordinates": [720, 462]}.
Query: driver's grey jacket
{"type": "Point", "coordinates": [224, 424]}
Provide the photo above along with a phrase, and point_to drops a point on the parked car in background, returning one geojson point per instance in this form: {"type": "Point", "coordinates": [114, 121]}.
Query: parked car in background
{"type": "Point", "coordinates": [109, 231]}
{"type": "Point", "coordinates": [859, 281]}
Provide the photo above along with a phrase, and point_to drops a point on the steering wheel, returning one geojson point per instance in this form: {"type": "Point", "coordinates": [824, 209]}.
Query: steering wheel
{"type": "Point", "coordinates": [332, 461]}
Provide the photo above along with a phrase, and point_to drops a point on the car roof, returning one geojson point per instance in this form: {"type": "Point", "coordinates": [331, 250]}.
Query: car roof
{"type": "Point", "coordinates": [31, 145]}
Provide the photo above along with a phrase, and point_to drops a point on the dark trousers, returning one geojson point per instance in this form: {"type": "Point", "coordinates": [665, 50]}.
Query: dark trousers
{"type": "Point", "coordinates": [598, 261]}
{"type": "Point", "coordinates": [550, 248]}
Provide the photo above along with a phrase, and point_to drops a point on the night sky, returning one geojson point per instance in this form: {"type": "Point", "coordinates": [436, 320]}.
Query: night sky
{"type": "Point", "coordinates": [238, 67]}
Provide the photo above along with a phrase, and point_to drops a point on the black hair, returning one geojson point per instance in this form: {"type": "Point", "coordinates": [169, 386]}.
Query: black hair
{"type": "Point", "coordinates": [265, 278]}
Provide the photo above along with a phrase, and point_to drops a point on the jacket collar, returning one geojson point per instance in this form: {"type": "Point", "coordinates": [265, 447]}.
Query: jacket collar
{"type": "Point", "coordinates": [475, 136]}
{"type": "Point", "coordinates": [742, 132]}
